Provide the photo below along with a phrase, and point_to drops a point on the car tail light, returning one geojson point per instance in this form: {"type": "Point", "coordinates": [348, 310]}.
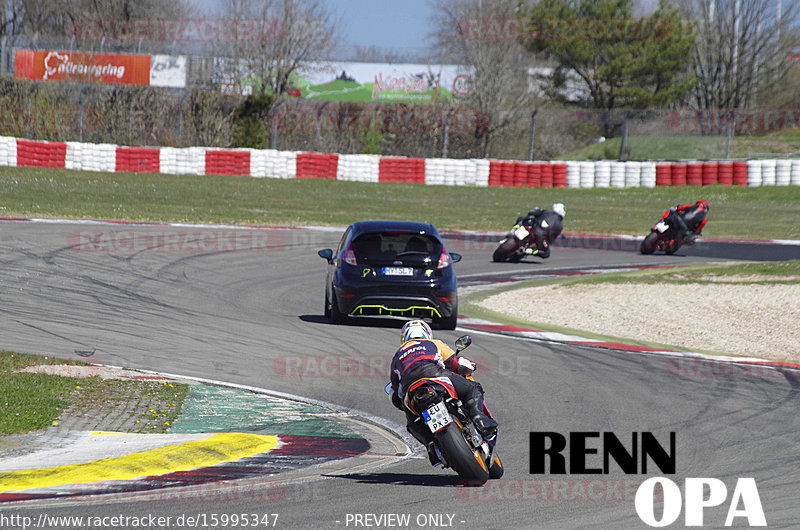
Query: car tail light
{"type": "Point", "coordinates": [444, 260]}
{"type": "Point", "coordinates": [349, 256]}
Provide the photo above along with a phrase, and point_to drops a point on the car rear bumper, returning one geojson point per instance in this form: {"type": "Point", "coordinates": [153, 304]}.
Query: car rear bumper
{"type": "Point", "coordinates": [440, 305]}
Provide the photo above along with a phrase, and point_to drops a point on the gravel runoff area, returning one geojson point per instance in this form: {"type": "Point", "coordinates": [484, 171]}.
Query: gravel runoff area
{"type": "Point", "coordinates": [739, 318]}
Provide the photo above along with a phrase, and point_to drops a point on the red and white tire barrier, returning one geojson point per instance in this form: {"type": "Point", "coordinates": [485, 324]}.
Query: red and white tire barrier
{"type": "Point", "coordinates": [269, 163]}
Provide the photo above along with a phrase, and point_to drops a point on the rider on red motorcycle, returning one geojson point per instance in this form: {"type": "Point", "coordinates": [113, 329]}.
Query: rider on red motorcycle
{"type": "Point", "coordinates": [421, 356]}
{"type": "Point", "coordinates": [688, 218]}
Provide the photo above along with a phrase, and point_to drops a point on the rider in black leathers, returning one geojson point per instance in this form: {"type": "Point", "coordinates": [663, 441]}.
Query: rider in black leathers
{"type": "Point", "coordinates": [689, 219]}
{"type": "Point", "coordinates": [546, 226]}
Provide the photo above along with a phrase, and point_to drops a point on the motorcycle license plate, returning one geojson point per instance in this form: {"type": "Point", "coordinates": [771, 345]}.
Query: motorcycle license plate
{"type": "Point", "coordinates": [662, 227]}
{"type": "Point", "coordinates": [437, 417]}
{"type": "Point", "coordinates": [521, 233]}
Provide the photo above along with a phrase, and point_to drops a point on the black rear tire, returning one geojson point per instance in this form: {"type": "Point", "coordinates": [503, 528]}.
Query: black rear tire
{"type": "Point", "coordinates": [649, 243]}
{"type": "Point", "coordinates": [505, 249]}
{"type": "Point", "coordinates": [337, 317]}
{"type": "Point", "coordinates": [460, 456]}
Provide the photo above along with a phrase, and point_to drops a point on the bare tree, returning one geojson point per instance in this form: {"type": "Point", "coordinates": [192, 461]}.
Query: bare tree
{"type": "Point", "coordinates": [496, 60]}
{"type": "Point", "coordinates": [742, 49]}
{"type": "Point", "coordinates": [288, 35]}
{"type": "Point", "coordinates": [56, 18]}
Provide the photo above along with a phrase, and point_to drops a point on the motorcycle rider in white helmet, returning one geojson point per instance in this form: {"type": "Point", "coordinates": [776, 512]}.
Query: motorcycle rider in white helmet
{"type": "Point", "coordinates": [422, 356]}
{"type": "Point", "coordinates": [546, 227]}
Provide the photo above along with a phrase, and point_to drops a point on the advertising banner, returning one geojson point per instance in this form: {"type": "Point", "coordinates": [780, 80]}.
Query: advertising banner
{"type": "Point", "coordinates": [168, 71]}
{"type": "Point", "coordinates": [116, 69]}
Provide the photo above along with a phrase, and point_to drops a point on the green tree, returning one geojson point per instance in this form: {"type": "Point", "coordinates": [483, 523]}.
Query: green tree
{"type": "Point", "coordinates": [606, 59]}
{"type": "Point", "coordinates": [248, 128]}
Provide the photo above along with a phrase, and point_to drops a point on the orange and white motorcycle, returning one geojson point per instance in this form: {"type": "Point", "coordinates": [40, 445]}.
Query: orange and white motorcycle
{"type": "Point", "coordinates": [459, 445]}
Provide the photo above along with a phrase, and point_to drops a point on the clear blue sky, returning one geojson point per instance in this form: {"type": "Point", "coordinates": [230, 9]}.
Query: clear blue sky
{"type": "Point", "coordinates": [396, 24]}
{"type": "Point", "coordinates": [399, 25]}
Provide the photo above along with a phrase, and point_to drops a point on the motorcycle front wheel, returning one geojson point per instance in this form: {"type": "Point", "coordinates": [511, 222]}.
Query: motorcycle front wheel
{"type": "Point", "coordinates": [461, 457]}
{"type": "Point", "coordinates": [505, 249]}
{"type": "Point", "coordinates": [649, 243]}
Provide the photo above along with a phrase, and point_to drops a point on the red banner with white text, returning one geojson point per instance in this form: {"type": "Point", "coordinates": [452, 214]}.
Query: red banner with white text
{"type": "Point", "coordinates": [48, 65]}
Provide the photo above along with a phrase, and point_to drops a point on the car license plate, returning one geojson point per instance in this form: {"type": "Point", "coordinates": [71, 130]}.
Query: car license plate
{"type": "Point", "coordinates": [437, 417]}
{"type": "Point", "coordinates": [398, 271]}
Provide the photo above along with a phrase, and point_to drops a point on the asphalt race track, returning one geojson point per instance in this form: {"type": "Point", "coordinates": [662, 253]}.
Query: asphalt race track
{"type": "Point", "coordinates": [236, 310]}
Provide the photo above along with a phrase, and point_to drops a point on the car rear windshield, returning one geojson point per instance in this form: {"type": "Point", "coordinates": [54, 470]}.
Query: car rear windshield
{"type": "Point", "coordinates": [392, 246]}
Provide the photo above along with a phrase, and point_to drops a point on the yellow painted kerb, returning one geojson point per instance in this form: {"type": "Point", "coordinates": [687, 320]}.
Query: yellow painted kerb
{"type": "Point", "coordinates": [221, 447]}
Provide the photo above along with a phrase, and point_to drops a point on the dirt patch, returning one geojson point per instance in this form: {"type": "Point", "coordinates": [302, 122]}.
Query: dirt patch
{"type": "Point", "coordinates": [737, 319]}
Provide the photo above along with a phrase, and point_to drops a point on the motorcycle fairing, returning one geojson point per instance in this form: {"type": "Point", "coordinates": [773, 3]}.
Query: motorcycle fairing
{"type": "Point", "coordinates": [441, 381]}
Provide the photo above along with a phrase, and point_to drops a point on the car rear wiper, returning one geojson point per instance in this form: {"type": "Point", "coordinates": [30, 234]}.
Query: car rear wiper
{"type": "Point", "coordinates": [412, 252]}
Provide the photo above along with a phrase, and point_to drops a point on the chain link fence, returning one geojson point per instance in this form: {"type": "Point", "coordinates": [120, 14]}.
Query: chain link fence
{"type": "Point", "coordinates": [201, 115]}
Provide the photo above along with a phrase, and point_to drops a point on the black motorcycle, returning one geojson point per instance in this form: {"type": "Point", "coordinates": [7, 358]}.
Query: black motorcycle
{"type": "Point", "coordinates": [666, 236]}
{"type": "Point", "coordinates": [458, 443]}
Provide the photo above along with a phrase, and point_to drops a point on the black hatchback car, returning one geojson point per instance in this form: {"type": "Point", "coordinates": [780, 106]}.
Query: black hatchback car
{"type": "Point", "coordinates": [391, 268]}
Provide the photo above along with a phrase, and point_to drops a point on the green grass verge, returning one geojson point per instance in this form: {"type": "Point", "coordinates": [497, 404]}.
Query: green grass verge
{"type": "Point", "coordinates": [786, 272]}
{"type": "Point", "coordinates": [34, 401]}
{"type": "Point", "coordinates": [687, 147]}
{"type": "Point", "coordinates": [736, 212]}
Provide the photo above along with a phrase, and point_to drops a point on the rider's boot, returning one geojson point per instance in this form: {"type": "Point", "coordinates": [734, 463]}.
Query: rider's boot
{"type": "Point", "coordinates": [484, 423]}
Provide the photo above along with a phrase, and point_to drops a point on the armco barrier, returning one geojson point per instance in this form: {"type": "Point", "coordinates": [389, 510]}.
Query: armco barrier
{"type": "Point", "coordinates": [270, 163]}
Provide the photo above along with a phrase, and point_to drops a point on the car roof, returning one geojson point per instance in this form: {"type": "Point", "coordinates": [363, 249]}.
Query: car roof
{"type": "Point", "coordinates": [415, 227]}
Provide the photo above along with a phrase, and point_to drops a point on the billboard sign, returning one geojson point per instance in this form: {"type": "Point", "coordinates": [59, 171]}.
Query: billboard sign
{"type": "Point", "coordinates": [115, 69]}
